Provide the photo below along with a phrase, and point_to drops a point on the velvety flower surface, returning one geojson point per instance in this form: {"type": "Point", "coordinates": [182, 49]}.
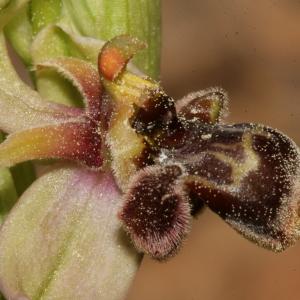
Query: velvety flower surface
{"type": "Point", "coordinates": [132, 152]}
{"type": "Point", "coordinates": [246, 173]}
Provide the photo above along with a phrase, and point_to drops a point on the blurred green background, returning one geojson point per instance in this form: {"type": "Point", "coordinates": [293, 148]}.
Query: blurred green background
{"type": "Point", "coordinates": [252, 49]}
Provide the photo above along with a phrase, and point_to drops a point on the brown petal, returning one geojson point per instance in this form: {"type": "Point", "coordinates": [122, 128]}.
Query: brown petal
{"type": "Point", "coordinates": [156, 112]}
{"type": "Point", "coordinates": [156, 213]}
{"type": "Point", "coordinates": [249, 175]}
{"type": "Point", "coordinates": [207, 106]}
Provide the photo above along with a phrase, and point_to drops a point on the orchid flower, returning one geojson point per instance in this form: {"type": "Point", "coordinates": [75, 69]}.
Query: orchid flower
{"type": "Point", "coordinates": [68, 218]}
{"type": "Point", "coordinates": [161, 160]}
{"type": "Point", "coordinates": [131, 160]}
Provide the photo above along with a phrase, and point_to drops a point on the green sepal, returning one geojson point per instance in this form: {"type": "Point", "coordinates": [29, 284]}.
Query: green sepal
{"type": "Point", "coordinates": [50, 84]}
{"type": "Point", "coordinates": [43, 13]}
{"type": "Point", "coordinates": [53, 42]}
{"type": "Point", "coordinates": [8, 193]}
{"type": "Point", "coordinates": [19, 33]}
{"type": "Point", "coordinates": [8, 9]}
{"type": "Point", "coordinates": [23, 175]}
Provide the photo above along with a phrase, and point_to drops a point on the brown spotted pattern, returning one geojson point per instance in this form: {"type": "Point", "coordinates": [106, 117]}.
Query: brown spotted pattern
{"type": "Point", "coordinates": [156, 213]}
{"type": "Point", "coordinates": [246, 173]}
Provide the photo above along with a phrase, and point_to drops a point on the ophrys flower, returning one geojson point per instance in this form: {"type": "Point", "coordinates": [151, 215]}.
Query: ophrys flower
{"type": "Point", "coordinates": [165, 159]}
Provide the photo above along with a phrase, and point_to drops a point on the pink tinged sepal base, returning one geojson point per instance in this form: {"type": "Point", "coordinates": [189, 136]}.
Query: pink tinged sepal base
{"type": "Point", "coordinates": [74, 140]}
{"type": "Point", "coordinates": [63, 240]}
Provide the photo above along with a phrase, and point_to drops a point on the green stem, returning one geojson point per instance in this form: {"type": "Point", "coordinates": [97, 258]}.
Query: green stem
{"type": "Point", "coordinates": [101, 19]}
{"type": "Point", "coordinates": [108, 18]}
{"type": "Point", "coordinates": [30, 35]}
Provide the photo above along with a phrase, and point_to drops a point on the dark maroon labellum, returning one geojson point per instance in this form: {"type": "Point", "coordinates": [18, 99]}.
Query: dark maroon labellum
{"type": "Point", "coordinates": [247, 173]}
{"type": "Point", "coordinates": [156, 213]}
